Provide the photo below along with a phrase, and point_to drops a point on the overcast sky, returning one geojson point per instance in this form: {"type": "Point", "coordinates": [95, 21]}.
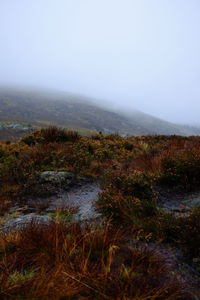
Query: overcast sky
{"type": "Point", "coordinates": [143, 54]}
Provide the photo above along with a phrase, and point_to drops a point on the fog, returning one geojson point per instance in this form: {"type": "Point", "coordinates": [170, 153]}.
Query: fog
{"type": "Point", "coordinates": [142, 54]}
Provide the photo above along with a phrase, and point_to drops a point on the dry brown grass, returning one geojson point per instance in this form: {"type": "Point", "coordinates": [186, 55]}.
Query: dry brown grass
{"type": "Point", "coordinates": [60, 261]}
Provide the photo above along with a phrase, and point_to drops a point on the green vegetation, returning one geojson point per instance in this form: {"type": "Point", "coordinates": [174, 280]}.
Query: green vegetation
{"type": "Point", "coordinates": [182, 170]}
{"type": "Point", "coordinates": [114, 260]}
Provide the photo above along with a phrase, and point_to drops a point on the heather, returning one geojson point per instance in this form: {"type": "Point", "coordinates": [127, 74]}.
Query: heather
{"type": "Point", "coordinates": [121, 255]}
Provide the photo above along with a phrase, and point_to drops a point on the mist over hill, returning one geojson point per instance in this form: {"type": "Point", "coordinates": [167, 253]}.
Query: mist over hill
{"type": "Point", "coordinates": [42, 108]}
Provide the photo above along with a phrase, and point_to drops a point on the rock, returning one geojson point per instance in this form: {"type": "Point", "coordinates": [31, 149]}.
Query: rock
{"type": "Point", "coordinates": [20, 223]}
{"type": "Point", "coordinates": [56, 177]}
{"type": "Point", "coordinates": [82, 197]}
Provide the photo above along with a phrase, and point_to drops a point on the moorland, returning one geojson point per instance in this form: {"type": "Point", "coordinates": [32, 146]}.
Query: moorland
{"type": "Point", "coordinates": [142, 244]}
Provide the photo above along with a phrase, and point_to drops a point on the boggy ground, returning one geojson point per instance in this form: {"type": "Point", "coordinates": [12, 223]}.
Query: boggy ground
{"type": "Point", "coordinates": [140, 249]}
{"type": "Point", "coordinates": [178, 202]}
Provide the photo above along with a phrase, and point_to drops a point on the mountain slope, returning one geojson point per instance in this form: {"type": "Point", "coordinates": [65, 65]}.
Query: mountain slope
{"type": "Point", "coordinates": [153, 125]}
{"type": "Point", "coordinates": [42, 108]}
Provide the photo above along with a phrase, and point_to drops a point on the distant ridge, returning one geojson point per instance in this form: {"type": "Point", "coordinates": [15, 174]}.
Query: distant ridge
{"type": "Point", "coordinates": [42, 108]}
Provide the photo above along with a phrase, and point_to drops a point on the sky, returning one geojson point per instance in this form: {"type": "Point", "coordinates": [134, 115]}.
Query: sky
{"type": "Point", "coordinates": [136, 54]}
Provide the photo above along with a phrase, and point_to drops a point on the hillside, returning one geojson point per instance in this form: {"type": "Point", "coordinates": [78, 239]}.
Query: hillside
{"type": "Point", "coordinates": [43, 108]}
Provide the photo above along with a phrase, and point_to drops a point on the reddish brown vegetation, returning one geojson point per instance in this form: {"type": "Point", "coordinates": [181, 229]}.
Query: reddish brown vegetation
{"type": "Point", "coordinates": [62, 261]}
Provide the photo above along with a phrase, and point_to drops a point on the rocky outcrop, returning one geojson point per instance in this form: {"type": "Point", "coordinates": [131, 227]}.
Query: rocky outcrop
{"type": "Point", "coordinates": [82, 196]}
{"type": "Point", "coordinates": [57, 177]}
{"type": "Point", "coordinates": [20, 223]}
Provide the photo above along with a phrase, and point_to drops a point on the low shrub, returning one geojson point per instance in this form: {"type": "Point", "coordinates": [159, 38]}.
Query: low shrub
{"type": "Point", "coordinates": [181, 171]}
{"type": "Point", "coordinates": [51, 134]}
{"type": "Point", "coordinates": [189, 239]}
{"type": "Point", "coordinates": [136, 184]}
{"type": "Point", "coordinates": [127, 198]}
{"type": "Point", "coordinates": [29, 140]}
